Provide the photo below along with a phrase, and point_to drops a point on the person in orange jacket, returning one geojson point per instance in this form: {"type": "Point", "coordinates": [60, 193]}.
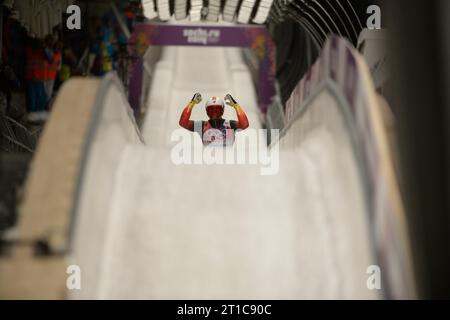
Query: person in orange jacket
{"type": "Point", "coordinates": [35, 74]}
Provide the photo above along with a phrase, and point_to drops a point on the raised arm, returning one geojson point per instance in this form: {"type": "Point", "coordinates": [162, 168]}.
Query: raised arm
{"type": "Point", "coordinates": [242, 122]}
{"type": "Point", "coordinates": [185, 119]}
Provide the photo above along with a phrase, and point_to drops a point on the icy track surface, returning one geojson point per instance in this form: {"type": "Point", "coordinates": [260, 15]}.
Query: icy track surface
{"type": "Point", "coordinates": [226, 231]}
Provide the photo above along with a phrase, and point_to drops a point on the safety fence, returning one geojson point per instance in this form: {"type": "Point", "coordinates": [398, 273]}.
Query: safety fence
{"type": "Point", "coordinates": [15, 137]}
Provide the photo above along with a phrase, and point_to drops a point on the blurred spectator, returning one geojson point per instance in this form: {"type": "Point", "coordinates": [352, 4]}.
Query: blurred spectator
{"type": "Point", "coordinates": [35, 74]}
{"type": "Point", "coordinates": [69, 62]}
{"type": "Point", "coordinates": [53, 65]}
{"type": "Point", "coordinates": [48, 54]}
{"type": "Point", "coordinates": [102, 48]}
{"type": "Point", "coordinates": [8, 83]}
{"type": "Point", "coordinates": [13, 46]}
{"type": "Point", "coordinates": [130, 16]}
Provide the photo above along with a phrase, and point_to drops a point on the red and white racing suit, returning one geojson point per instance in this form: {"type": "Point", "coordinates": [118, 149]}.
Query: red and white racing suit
{"type": "Point", "coordinates": [218, 132]}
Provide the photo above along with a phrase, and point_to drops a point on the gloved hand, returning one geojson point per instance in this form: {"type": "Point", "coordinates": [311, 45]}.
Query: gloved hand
{"type": "Point", "coordinates": [196, 99]}
{"type": "Point", "coordinates": [229, 100]}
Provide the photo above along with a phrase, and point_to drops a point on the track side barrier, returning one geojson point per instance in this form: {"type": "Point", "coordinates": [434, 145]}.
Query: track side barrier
{"type": "Point", "coordinates": [63, 165]}
{"type": "Point", "coordinates": [342, 70]}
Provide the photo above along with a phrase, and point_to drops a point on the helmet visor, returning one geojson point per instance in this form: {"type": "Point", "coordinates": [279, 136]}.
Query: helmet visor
{"type": "Point", "coordinates": [214, 111]}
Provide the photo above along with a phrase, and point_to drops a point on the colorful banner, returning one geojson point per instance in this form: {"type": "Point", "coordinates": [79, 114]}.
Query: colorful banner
{"type": "Point", "coordinates": [245, 36]}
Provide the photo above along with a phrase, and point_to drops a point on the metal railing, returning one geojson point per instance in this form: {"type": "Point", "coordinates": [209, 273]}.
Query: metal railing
{"type": "Point", "coordinates": [16, 137]}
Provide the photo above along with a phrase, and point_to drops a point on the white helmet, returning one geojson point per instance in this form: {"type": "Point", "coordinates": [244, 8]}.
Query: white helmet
{"type": "Point", "coordinates": [215, 101]}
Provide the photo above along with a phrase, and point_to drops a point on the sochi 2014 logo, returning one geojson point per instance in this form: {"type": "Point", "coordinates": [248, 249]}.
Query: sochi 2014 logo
{"type": "Point", "coordinates": [201, 36]}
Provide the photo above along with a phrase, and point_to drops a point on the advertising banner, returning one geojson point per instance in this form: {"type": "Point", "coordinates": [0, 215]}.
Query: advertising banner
{"type": "Point", "coordinates": [244, 36]}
